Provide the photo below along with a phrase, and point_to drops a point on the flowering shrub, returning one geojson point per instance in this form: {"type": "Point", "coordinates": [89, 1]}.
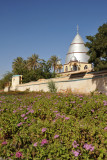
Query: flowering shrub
{"type": "Point", "coordinates": [18, 154]}
{"type": "Point", "coordinates": [53, 126]}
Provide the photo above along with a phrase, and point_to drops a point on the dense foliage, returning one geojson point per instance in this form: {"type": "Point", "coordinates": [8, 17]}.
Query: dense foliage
{"type": "Point", "coordinates": [7, 78]}
{"type": "Point", "coordinates": [98, 48]}
{"type": "Point", "coordinates": [45, 126]}
{"type": "Point", "coordinates": [32, 69]}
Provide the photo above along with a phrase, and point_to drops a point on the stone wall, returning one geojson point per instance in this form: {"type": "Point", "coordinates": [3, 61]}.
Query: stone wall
{"type": "Point", "coordinates": [78, 82]}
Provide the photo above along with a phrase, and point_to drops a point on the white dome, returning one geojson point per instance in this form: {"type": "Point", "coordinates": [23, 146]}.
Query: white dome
{"type": "Point", "coordinates": [78, 49]}
{"type": "Point", "coordinates": [58, 62]}
{"type": "Point", "coordinates": [73, 58]}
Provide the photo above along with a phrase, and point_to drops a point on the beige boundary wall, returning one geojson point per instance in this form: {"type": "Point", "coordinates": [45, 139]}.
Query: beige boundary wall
{"type": "Point", "coordinates": [86, 84]}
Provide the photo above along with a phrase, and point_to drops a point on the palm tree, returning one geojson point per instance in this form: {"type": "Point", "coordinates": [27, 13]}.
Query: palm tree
{"type": "Point", "coordinates": [33, 61]}
{"type": "Point", "coordinates": [53, 62]}
{"type": "Point", "coordinates": [59, 67]}
{"type": "Point", "coordinates": [18, 65]}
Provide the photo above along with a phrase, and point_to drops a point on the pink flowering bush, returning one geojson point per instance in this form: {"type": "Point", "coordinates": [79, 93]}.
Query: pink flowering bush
{"type": "Point", "coordinates": [89, 147]}
{"type": "Point", "coordinates": [76, 153]}
{"type": "Point", "coordinates": [44, 129]}
{"type": "Point", "coordinates": [52, 126]}
{"type": "Point", "coordinates": [44, 141]}
{"type": "Point", "coordinates": [4, 142]}
{"type": "Point", "coordinates": [56, 136]}
{"type": "Point", "coordinates": [35, 144]}
{"type": "Point", "coordinates": [18, 154]}
{"type": "Point", "coordinates": [74, 144]}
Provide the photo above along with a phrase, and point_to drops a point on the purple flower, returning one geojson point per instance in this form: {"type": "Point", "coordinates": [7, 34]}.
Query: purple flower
{"type": "Point", "coordinates": [58, 115]}
{"type": "Point", "coordinates": [88, 147]}
{"type": "Point", "coordinates": [25, 118]}
{"type": "Point", "coordinates": [66, 118]}
{"type": "Point", "coordinates": [23, 115]}
{"type": "Point", "coordinates": [56, 136]}
{"type": "Point", "coordinates": [73, 101]}
{"type": "Point", "coordinates": [92, 110]}
{"type": "Point", "coordinates": [18, 154]}
{"type": "Point", "coordinates": [44, 129]}
{"type": "Point", "coordinates": [28, 112]}
{"type": "Point", "coordinates": [31, 111]}
{"type": "Point", "coordinates": [19, 124]}
{"type": "Point", "coordinates": [75, 145]}
{"type": "Point", "coordinates": [105, 103]}
{"type": "Point", "coordinates": [55, 102]}
{"type": "Point", "coordinates": [4, 142]}
{"type": "Point", "coordinates": [14, 111]}
{"type": "Point", "coordinates": [76, 153]}
{"type": "Point", "coordinates": [54, 121]}
{"type": "Point", "coordinates": [105, 128]}
{"type": "Point", "coordinates": [55, 111]}
{"type": "Point", "coordinates": [44, 141]}
{"type": "Point", "coordinates": [92, 148]}
{"type": "Point", "coordinates": [62, 116]}
{"type": "Point", "coordinates": [12, 154]}
{"type": "Point", "coordinates": [35, 144]}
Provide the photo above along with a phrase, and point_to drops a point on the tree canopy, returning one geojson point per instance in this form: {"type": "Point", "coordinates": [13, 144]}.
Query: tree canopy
{"type": "Point", "coordinates": [33, 62]}
{"type": "Point", "coordinates": [32, 69]}
{"type": "Point", "coordinates": [53, 62]}
{"type": "Point", "coordinates": [19, 66]}
{"type": "Point", "coordinates": [6, 80]}
{"type": "Point", "coordinates": [97, 45]}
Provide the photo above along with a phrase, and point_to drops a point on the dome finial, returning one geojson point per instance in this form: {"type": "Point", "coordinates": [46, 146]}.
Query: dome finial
{"type": "Point", "coordinates": [77, 28]}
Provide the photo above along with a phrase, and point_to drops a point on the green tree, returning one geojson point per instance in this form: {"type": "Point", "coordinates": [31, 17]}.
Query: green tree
{"type": "Point", "coordinates": [53, 62]}
{"type": "Point", "coordinates": [32, 69]}
{"type": "Point", "coordinates": [33, 62]}
{"type": "Point", "coordinates": [6, 80]}
{"type": "Point", "coordinates": [19, 66]}
{"type": "Point", "coordinates": [97, 45]}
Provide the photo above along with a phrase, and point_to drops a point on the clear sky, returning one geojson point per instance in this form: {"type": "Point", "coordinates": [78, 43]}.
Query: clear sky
{"type": "Point", "coordinates": [45, 27]}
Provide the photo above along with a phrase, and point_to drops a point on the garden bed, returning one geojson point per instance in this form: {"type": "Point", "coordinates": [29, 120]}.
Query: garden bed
{"type": "Point", "coordinates": [53, 126]}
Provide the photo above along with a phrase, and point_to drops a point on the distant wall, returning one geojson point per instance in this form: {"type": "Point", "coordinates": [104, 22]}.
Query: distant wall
{"type": "Point", "coordinates": [89, 82]}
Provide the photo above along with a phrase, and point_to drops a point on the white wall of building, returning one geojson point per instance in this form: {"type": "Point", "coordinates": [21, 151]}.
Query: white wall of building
{"type": "Point", "coordinates": [87, 84]}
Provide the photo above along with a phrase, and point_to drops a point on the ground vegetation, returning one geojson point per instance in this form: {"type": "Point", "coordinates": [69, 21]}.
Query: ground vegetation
{"type": "Point", "coordinates": [53, 126]}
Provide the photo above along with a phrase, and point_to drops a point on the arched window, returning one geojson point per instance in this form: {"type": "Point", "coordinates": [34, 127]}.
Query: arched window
{"type": "Point", "coordinates": [85, 67]}
{"type": "Point", "coordinates": [66, 69]}
{"type": "Point", "coordinates": [74, 68]}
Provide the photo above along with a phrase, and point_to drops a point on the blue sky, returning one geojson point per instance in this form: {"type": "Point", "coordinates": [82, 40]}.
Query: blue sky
{"type": "Point", "coordinates": [45, 27]}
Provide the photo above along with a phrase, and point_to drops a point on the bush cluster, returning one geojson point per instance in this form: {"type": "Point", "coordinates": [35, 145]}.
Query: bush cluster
{"type": "Point", "coordinates": [53, 126]}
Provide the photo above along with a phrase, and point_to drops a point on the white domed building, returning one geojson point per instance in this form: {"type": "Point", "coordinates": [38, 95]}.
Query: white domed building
{"type": "Point", "coordinates": [77, 58]}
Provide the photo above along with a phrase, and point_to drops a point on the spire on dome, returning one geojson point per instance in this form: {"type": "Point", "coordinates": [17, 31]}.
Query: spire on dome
{"type": "Point", "coordinates": [77, 28]}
